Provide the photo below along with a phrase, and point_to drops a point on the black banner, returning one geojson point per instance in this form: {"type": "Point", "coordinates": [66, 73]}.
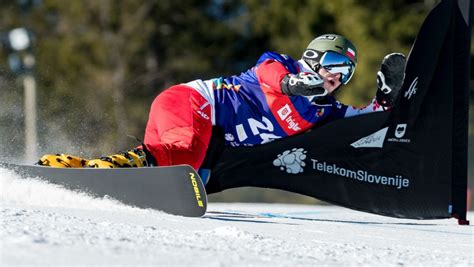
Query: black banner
{"type": "Point", "coordinates": [409, 163]}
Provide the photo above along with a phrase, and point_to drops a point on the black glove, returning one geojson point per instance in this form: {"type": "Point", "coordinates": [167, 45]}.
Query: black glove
{"type": "Point", "coordinates": [306, 84]}
{"type": "Point", "coordinates": [390, 79]}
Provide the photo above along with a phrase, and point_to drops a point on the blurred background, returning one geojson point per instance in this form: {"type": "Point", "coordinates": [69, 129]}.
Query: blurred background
{"type": "Point", "coordinates": [78, 77]}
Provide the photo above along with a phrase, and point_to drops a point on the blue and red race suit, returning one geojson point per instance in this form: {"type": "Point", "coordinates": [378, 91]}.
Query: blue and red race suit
{"type": "Point", "coordinates": [250, 108]}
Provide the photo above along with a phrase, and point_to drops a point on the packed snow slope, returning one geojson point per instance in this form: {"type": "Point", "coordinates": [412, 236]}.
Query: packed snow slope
{"type": "Point", "coordinates": [45, 225]}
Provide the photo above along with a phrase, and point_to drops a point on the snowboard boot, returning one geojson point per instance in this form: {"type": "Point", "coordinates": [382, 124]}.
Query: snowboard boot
{"type": "Point", "coordinates": [62, 161]}
{"type": "Point", "coordinates": [125, 159]}
{"type": "Point", "coordinates": [137, 157]}
{"type": "Point", "coordinates": [390, 79]}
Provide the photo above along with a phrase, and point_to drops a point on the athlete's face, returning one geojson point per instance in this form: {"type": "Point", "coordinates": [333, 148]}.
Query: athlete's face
{"type": "Point", "coordinates": [331, 81]}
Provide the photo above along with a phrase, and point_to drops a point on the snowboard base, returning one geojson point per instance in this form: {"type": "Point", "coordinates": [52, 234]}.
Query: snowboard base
{"type": "Point", "coordinates": [176, 190]}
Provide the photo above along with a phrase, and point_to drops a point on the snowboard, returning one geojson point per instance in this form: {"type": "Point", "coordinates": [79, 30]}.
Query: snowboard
{"type": "Point", "coordinates": [176, 190]}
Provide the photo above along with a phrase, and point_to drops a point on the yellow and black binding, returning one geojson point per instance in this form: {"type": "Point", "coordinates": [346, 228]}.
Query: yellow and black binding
{"type": "Point", "coordinates": [133, 158]}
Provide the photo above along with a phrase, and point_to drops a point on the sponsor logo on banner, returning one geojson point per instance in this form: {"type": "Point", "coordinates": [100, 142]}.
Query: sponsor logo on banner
{"type": "Point", "coordinates": [291, 161]}
{"type": "Point", "coordinates": [294, 161]}
{"type": "Point", "coordinates": [412, 89]}
{"type": "Point", "coordinates": [374, 140]}
{"type": "Point", "coordinates": [400, 130]}
{"type": "Point", "coordinates": [399, 133]}
{"type": "Point", "coordinates": [204, 115]}
{"type": "Point", "coordinates": [284, 112]}
{"type": "Point", "coordinates": [396, 181]}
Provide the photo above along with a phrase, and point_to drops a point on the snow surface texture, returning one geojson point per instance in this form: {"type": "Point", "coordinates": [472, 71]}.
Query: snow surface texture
{"type": "Point", "coordinates": [43, 224]}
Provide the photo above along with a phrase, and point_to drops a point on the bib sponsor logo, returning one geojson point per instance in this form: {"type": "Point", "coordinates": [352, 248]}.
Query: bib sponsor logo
{"type": "Point", "coordinates": [284, 112]}
{"type": "Point", "coordinates": [292, 124]}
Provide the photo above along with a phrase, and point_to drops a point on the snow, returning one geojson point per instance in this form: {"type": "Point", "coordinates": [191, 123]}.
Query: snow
{"type": "Point", "coordinates": [44, 225]}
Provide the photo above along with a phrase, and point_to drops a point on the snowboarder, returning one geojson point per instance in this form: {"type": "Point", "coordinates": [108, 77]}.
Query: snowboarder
{"type": "Point", "coordinates": [276, 98]}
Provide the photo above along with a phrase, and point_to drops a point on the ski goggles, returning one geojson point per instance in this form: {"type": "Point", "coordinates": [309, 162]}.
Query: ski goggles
{"type": "Point", "coordinates": [336, 63]}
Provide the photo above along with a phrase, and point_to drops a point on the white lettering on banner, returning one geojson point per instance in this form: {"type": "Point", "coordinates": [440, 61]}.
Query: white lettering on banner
{"type": "Point", "coordinates": [397, 181]}
{"type": "Point", "coordinates": [412, 89]}
{"type": "Point", "coordinates": [293, 162]}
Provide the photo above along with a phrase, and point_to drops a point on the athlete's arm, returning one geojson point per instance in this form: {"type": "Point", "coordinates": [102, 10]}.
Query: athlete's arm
{"type": "Point", "coordinates": [270, 73]}
{"type": "Point", "coordinates": [274, 75]}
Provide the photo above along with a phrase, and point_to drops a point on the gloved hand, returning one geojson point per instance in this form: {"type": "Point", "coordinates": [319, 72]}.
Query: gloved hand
{"type": "Point", "coordinates": [306, 84]}
{"type": "Point", "coordinates": [390, 79]}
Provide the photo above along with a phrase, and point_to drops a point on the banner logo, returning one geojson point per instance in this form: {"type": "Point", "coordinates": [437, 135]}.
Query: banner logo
{"type": "Point", "coordinates": [292, 161]}
{"type": "Point", "coordinates": [400, 130]}
{"type": "Point", "coordinates": [399, 133]}
{"type": "Point", "coordinates": [412, 90]}
{"type": "Point", "coordinates": [284, 112]}
{"type": "Point", "coordinates": [396, 181]}
{"type": "Point", "coordinates": [374, 140]}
